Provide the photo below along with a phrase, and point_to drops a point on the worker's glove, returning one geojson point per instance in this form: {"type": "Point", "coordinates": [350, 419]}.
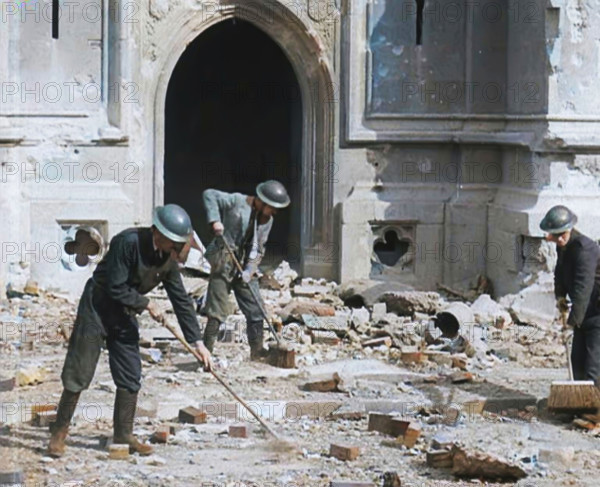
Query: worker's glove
{"type": "Point", "coordinates": [218, 228]}
{"type": "Point", "coordinates": [562, 305]}
{"type": "Point", "coordinates": [247, 275]}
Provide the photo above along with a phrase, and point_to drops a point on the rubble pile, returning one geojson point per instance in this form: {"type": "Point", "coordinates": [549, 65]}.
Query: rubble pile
{"type": "Point", "coordinates": [403, 386]}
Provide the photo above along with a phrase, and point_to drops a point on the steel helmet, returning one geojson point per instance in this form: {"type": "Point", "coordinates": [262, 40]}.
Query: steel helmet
{"type": "Point", "coordinates": [273, 193]}
{"type": "Point", "coordinates": [173, 222]}
{"type": "Point", "coordinates": [558, 220]}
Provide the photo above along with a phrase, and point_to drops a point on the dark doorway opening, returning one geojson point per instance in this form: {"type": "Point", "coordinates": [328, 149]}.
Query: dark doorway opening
{"type": "Point", "coordinates": [233, 119]}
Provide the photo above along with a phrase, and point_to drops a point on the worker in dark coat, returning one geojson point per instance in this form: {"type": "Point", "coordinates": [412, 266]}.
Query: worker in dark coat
{"type": "Point", "coordinates": [137, 261]}
{"type": "Point", "coordinates": [577, 277]}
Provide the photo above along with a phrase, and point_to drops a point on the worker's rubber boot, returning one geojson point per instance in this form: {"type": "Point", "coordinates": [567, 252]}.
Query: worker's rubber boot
{"type": "Point", "coordinates": [60, 428]}
{"type": "Point", "coordinates": [125, 405]}
{"type": "Point", "coordinates": [211, 332]}
{"type": "Point", "coordinates": [258, 353]}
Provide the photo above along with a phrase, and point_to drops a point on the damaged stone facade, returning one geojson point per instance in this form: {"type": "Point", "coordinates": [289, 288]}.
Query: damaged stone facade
{"type": "Point", "coordinates": [457, 125]}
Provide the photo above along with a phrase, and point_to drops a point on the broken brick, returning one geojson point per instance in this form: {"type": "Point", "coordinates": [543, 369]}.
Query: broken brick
{"type": "Point", "coordinates": [342, 452]}
{"type": "Point", "coordinates": [329, 385]}
{"type": "Point", "coordinates": [118, 452]}
{"type": "Point", "coordinates": [295, 309]}
{"type": "Point", "coordinates": [411, 435]}
{"type": "Point", "coordinates": [282, 358]}
{"type": "Point", "coordinates": [39, 408]}
{"type": "Point", "coordinates": [192, 415]}
{"type": "Point", "coordinates": [238, 431]}
{"type": "Point", "coordinates": [161, 435]}
{"type": "Point", "coordinates": [377, 342]}
{"type": "Point", "coordinates": [411, 355]}
{"type": "Point", "coordinates": [309, 291]}
{"type": "Point", "coordinates": [347, 415]}
{"type": "Point", "coordinates": [584, 424]}
{"type": "Point", "coordinates": [461, 377]}
{"type": "Point", "coordinates": [44, 418]}
{"type": "Point", "coordinates": [439, 458]}
{"type": "Point", "coordinates": [325, 337]}
{"type": "Point", "coordinates": [481, 466]}
{"type": "Point", "coordinates": [387, 424]}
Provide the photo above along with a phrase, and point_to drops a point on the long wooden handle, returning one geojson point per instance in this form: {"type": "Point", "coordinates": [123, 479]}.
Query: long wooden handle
{"type": "Point", "coordinates": [256, 298]}
{"type": "Point", "coordinates": [195, 353]}
{"type": "Point", "coordinates": [564, 316]}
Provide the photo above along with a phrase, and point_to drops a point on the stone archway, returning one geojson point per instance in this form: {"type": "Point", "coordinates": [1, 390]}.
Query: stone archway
{"type": "Point", "coordinates": [314, 78]}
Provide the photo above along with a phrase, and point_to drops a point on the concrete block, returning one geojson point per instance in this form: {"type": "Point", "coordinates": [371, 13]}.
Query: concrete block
{"type": "Point", "coordinates": [192, 415]}
{"type": "Point", "coordinates": [379, 311]}
{"type": "Point", "coordinates": [343, 452]}
{"type": "Point", "coordinates": [238, 431]}
{"type": "Point", "coordinates": [118, 452]}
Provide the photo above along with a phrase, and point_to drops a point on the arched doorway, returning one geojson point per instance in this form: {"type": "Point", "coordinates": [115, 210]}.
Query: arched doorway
{"type": "Point", "coordinates": [233, 118]}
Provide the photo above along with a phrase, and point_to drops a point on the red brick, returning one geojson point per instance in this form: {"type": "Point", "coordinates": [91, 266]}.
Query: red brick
{"type": "Point", "coordinates": [161, 435]}
{"type": "Point", "coordinates": [387, 424]}
{"type": "Point", "coordinates": [330, 385]}
{"type": "Point", "coordinates": [461, 377]}
{"type": "Point", "coordinates": [439, 458]}
{"type": "Point", "coordinates": [342, 452]}
{"type": "Point", "coordinates": [238, 431]}
{"type": "Point", "coordinates": [411, 435]}
{"type": "Point", "coordinates": [192, 415]}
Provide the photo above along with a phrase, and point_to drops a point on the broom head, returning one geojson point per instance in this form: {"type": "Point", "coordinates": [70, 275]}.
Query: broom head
{"type": "Point", "coordinates": [574, 396]}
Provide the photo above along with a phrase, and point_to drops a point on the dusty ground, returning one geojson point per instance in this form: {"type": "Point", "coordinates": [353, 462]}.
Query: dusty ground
{"type": "Point", "coordinates": [374, 380]}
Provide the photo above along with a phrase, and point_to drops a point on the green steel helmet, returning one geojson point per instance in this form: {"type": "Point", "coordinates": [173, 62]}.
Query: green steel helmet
{"type": "Point", "coordinates": [273, 193]}
{"type": "Point", "coordinates": [173, 222]}
{"type": "Point", "coordinates": [558, 220]}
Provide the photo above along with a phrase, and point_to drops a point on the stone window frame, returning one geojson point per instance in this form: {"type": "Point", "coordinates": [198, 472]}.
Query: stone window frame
{"type": "Point", "coordinates": [358, 126]}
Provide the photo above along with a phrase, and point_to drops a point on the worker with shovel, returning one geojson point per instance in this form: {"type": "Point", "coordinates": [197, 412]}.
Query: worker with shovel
{"type": "Point", "coordinates": [577, 276]}
{"type": "Point", "coordinates": [137, 261]}
{"type": "Point", "coordinates": [241, 225]}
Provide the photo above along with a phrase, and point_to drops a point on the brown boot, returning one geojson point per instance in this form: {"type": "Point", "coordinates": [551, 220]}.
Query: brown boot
{"type": "Point", "coordinates": [60, 428]}
{"type": "Point", "coordinates": [125, 405]}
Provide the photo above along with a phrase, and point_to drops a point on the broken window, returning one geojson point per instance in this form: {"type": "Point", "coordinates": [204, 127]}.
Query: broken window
{"type": "Point", "coordinates": [393, 246]}
{"type": "Point", "coordinates": [83, 245]}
